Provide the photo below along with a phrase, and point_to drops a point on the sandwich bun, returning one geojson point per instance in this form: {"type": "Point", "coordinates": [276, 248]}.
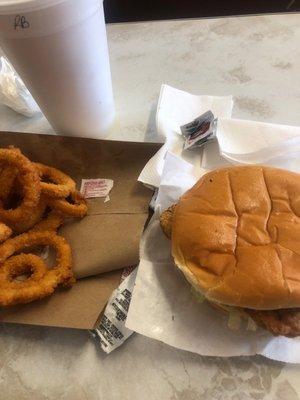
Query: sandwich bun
{"type": "Point", "coordinates": [236, 237]}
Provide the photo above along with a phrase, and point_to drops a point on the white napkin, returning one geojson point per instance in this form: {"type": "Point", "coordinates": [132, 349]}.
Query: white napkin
{"type": "Point", "coordinates": [177, 108]}
{"type": "Point", "coordinates": [250, 142]}
{"type": "Point", "coordinates": [172, 186]}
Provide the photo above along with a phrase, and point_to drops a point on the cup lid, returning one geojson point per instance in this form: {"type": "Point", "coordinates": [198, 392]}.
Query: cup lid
{"type": "Point", "coordinates": [15, 6]}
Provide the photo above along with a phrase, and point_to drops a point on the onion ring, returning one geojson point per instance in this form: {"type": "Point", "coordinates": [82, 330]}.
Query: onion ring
{"type": "Point", "coordinates": [43, 238]}
{"type": "Point", "coordinates": [60, 185]}
{"type": "Point", "coordinates": [76, 208]}
{"type": "Point", "coordinates": [7, 179]}
{"type": "Point", "coordinates": [34, 288]}
{"type": "Point", "coordinates": [5, 232]}
{"type": "Point", "coordinates": [22, 264]}
{"type": "Point", "coordinates": [51, 223]}
{"type": "Point", "coordinates": [30, 182]}
{"type": "Point", "coordinates": [34, 218]}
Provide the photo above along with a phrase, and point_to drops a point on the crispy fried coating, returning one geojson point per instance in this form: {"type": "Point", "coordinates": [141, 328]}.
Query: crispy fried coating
{"type": "Point", "coordinates": [59, 185]}
{"type": "Point", "coordinates": [33, 288]}
{"type": "Point", "coordinates": [8, 176]}
{"type": "Point", "coordinates": [30, 182]}
{"type": "Point", "coordinates": [33, 218]}
{"type": "Point", "coordinates": [51, 223]}
{"type": "Point", "coordinates": [166, 221]}
{"type": "Point", "coordinates": [73, 206]}
{"type": "Point", "coordinates": [34, 201]}
{"type": "Point", "coordinates": [284, 322]}
{"type": "Point", "coordinates": [5, 232]}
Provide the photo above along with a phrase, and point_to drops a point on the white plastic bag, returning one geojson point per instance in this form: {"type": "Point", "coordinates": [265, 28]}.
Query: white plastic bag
{"type": "Point", "coordinates": [13, 92]}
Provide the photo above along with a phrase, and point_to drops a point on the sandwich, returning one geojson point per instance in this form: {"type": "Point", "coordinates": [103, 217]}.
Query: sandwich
{"type": "Point", "coordinates": [236, 238]}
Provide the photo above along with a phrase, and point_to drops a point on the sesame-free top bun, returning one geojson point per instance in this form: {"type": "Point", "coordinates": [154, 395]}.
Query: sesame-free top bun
{"type": "Point", "coordinates": [236, 237]}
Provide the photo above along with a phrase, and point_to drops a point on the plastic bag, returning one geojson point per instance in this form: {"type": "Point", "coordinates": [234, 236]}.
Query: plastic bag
{"type": "Point", "coordinates": [13, 92]}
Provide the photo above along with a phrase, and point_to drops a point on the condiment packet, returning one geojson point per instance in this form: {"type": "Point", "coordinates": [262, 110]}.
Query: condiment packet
{"type": "Point", "coordinates": [112, 332]}
{"type": "Point", "coordinates": [96, 188]}
{"type": "Point", "coordinates": [200, 131]}
{"type": "Point", "coordinates": [175, 109]}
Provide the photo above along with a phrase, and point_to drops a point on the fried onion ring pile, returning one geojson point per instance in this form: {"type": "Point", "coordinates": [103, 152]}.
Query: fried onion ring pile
{"type": "Point", "coordinates": [35, 200]}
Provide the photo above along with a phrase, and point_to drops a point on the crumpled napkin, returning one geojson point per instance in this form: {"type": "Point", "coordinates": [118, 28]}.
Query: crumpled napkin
{"type": "Point", "coordinates": [177, 108]}
{"type": "Point", "coordinates": [252, 142]}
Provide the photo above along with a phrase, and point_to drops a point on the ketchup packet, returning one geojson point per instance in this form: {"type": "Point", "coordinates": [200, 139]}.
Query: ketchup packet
{"type": "Point", "coordinates": [200, 131]}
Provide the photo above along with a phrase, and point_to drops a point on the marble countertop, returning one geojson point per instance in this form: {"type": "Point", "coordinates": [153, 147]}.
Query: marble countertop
{"type": "Point", "coordinates": [257, 60]}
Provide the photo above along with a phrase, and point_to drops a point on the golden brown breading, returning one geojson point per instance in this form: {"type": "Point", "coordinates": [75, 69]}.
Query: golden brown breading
{"type": "Point", "coordinates": [284, 322]}
{"type": "Point", "coordinates": [7, 180]}
{"type": "Point", "coordinates": [59, 185]}
{"type": "Point", "coordinates": [30, 182]}
{"type": "Point", "coordinates": [5, 232]}
{"type": "Point", "coordinates": [166, 221]}
{"type": "Point", "coordinates": [33, 289]}
{"type": "Point", "coordinates": [74, 205]}
{"type": "Point", "coordinates": [51, 223]}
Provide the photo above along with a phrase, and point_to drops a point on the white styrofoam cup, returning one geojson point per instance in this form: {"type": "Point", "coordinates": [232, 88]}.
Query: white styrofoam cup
{"type": "Point", "coordinates": [59, 48]}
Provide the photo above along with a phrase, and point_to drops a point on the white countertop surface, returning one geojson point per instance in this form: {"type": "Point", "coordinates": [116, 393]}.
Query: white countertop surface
{"type": "Point", "coordinates": [256, 59]}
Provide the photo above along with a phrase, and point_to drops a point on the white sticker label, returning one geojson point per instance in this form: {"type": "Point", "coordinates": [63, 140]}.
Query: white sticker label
{"type": "Point", "coordinates": [94, 188]}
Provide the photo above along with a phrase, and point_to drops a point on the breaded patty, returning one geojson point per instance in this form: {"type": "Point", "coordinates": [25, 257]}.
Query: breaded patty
{"type": "Point", "coordinates": [284, 322]}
